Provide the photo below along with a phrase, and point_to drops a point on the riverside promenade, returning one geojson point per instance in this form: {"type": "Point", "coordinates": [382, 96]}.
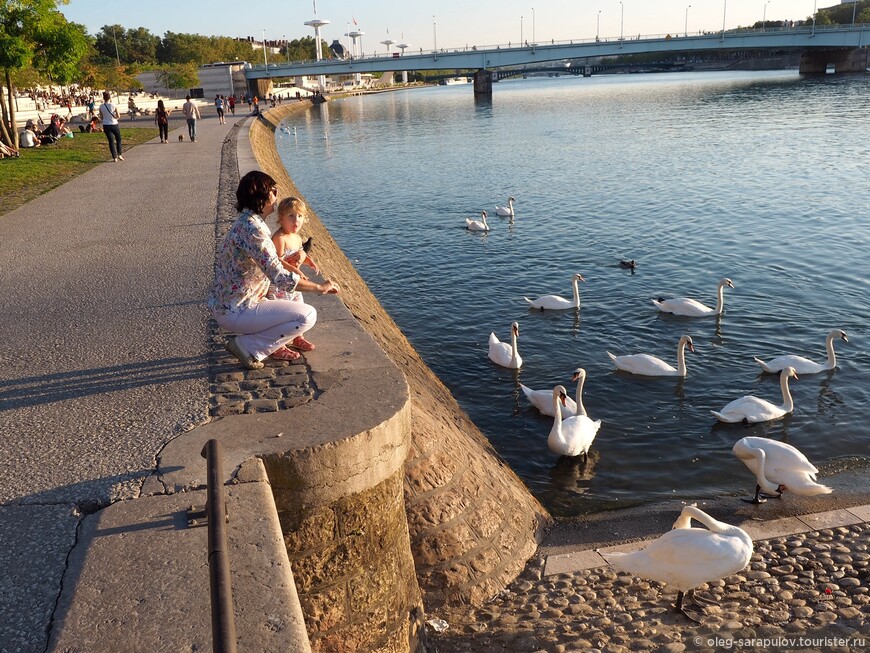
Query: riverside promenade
{"type": "Point", "coordinates": [108, 366]}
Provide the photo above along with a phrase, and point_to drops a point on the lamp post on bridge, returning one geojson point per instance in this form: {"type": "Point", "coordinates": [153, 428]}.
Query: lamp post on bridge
{"type": "Point", "coordinates": [724, 13]}
{"type": "Point", "coordinates": [815, 4]}
{"type": "Point", "coordinates": [686, 28]}
{"type": "Point", "coordinates": [435, 36]}
{"type": "Point", "coordinates": [533, 26]}
{"type": "Point", "coordinates": [764, 15]}
{"type": "Point", "coordinates": [265, 61]}
{"type": "Point", "coordinates": [521, 31]}
{"type": "Point", "coordinates": [854, 9]}
{"type": "Point", "coordinates": [621, 22]}
{"type": "Point", "coordinates": [598, 26]}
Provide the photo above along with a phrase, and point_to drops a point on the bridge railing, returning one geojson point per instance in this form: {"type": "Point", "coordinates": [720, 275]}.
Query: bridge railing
{"type": "Point", "coordinates": [468, 47]}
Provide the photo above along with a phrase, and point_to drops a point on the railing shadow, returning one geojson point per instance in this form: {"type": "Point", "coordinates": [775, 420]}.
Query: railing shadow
{"type": "Point", "coordinates": [53, 387]}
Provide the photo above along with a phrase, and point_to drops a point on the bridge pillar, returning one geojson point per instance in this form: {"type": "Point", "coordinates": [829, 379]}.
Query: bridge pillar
{"type": "Point", "coordinates": [483, 82]}
{"type": "Point", "coordinates": [844, 61]}
{"type": "Point", "coordinates": [260, 87]}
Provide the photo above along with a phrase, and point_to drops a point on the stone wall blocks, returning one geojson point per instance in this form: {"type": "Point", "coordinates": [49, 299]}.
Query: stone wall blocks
{"type": "Point", "coordinates": [324, 609]}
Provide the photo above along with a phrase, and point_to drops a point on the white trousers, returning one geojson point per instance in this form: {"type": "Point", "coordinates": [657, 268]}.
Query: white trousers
{"type": "Point", "coordinates": [267, 326]}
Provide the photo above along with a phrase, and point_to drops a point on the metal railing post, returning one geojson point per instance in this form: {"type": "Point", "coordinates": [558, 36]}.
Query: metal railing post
{"type": "Point", "coordinates": [223, 624]}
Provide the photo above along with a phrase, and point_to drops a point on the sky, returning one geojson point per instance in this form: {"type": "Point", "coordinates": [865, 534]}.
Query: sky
{"type": "Point", "coordinates": [446, 23]}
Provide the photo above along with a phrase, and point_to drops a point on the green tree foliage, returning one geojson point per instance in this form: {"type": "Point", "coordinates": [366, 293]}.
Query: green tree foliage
{"type": "Point", "coordinates": [178, 76]}
{"type": "Point", "coordinates": [193, 48]}
{"type": "Point", "coordinates": [304, 49]}
{"type": "Point", "coordinates": [842, 14]}
{"type": "Point", "coordinates": [133, 45]}
{"type": "Point", "coordinates": [33, 33]}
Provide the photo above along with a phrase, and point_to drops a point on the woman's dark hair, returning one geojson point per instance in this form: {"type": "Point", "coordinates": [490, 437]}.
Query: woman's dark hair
{"type": "Point", "coordinates": [106, 96]}
{"type": "Point", "coordinates": [160, 104]}
{"type": "Point", "coordinates": [253, 191]}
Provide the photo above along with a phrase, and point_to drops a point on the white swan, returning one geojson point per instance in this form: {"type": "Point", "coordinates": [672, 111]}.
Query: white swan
{"type": "Point", "coordinates": [647, 365]}
{"type": "Point", "coordinates": [751, 410]}
{"type": "Point", "coordinates": [506, 211]}
{"type": "Point", "coordinates": [503, 354]}
{"type": "Point", "coordinates": [556, 303]}
{"type": "Point", "coordinates": [477, 225]}
{"type": "Point", "coordinates": [778, 467]}
{"type": "Point", "coordinates": [803, 365]}
{"type": "Point", "coordinates": [686, 557]}
{"type": "Point", "coordinates": [571, 436]}
{"type": "Point", "coordinates": [690, 307]}
{"type": "Point", "coordinates": [543, 399]}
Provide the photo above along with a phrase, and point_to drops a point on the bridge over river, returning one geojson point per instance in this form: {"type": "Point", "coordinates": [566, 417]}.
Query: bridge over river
{"type": "Point", "coordinates": [844, 47]}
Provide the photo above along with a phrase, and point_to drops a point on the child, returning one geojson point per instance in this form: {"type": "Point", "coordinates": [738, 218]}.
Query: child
{"type": "Point", "coordinates": [288, 245]}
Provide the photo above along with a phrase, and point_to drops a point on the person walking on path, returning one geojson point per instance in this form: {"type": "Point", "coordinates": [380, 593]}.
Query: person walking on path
{"type": "Point", "coordinates": [232, 102]}
{"type": "Point", "coordinates": [161, 117]}
{"type": "Point", "coordinates": [245, 264]}
{"type": "Point", "coordinates": [109, 116]}
{"type": "Point", "coordinates": [219, 106]}
{"type": "Point", "coordinates": [192, 115]}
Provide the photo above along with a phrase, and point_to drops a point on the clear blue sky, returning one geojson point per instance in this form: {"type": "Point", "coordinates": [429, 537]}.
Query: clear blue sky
{"type": "Point", "coordinates": [457, 23]}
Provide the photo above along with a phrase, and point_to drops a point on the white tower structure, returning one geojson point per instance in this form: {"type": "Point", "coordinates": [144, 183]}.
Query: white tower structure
{"type": "Point", "coordinates": [403, 46]}
{"type": "Point", "coordinates": [317, 23]}
{"type": "Point", "coordinates": [388, 42]}
{"type": "Point", "coordinates": [354, 35]}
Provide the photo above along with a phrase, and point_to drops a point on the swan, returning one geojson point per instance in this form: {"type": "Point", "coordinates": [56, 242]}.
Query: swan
{"type": "Point", "coordinates": [690, 307]}
{"type": "Point", "coordinates": [477, 225]}
{"type": "Point", "coordinates": [751, 410]}
{"type": "Point", "coordinates": [647, 365]}
{"type": "Point", "coordinates": [556, 303]}
{"type": "Point", "coordinates": [686, 557]}
{"type": "Point", "coordinates": [778, 467]}
{"type": "Point", "coordinates": [571, 436]}
{"type": "Point", "coordinates": [506, 211]}
{"type": "Point", "coordinates": [805, 365]}
{"type": "Point", "coordinates": [542, 399]}
{"type": "Point", "coordinates": [503, 354]}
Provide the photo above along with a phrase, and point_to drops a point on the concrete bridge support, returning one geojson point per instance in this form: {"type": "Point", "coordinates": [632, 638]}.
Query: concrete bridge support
{"type": "Point", "coordinates": [483, 83]}
{"type": "Point", "coordinates": [844, 61]}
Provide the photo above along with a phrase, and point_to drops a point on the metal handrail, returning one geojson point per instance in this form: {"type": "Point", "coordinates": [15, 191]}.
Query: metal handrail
{"type": "Point", "coordinates": [223, 623]}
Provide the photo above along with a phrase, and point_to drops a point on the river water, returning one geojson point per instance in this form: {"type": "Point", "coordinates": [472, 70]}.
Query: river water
{"type": "Point", "coordinates": [759, 177]}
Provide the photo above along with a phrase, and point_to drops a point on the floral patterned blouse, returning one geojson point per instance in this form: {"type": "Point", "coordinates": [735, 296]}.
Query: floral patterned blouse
{"type": "Point", "coordinates": [245, 264]}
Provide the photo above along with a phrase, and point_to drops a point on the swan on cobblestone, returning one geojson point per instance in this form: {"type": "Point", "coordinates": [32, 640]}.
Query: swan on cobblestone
{"type": "Point", "coordinates": [778, 468]}
{"type": "Point", "coordinates": [686, 557]}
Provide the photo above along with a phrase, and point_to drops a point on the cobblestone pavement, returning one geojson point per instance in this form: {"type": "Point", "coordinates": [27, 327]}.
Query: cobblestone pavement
{"type": "Point", "coordinates": [814, 586]}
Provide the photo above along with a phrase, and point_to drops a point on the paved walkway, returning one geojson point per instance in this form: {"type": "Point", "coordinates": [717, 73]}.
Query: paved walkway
{"type": "Point", "coordinates": [106, 359]}
{"type": "Point", "coordinates": [105, 352]}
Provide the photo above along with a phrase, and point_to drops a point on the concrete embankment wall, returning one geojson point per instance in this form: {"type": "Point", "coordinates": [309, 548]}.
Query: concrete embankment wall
{"type": "Point", "coordinates": [471, 521]}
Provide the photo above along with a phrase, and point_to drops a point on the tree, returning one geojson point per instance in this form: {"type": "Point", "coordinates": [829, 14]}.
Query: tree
{"type": "Point", "coordinates": [133, 45]}
{"type": "Point", "coordinates": [34, 32]}
{"type": "Point", "coordinates": [179, 76]}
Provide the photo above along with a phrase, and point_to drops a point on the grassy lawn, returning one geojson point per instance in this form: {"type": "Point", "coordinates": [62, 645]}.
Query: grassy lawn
{"type": "Point", "coordinates": [40, 169]}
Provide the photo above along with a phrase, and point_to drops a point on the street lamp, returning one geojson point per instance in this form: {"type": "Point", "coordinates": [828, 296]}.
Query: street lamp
{"type": "Point", "coordinates": [854, 9]}
{"type": "Point", "coordinates": [815, 4]}
{"type": "Point", "coordinates": [287, 47]}
{"type": "Point", "coordinates": [521, 30]}
{"type": "Point", "coordinates": [724, 13]}
{"type": "Point", "coordinates": [533, 26]}
{"type": "Point", "coordinates": [686, 30]}
{"type": "Point", "coordinates": [598, 25]}
{"type": "Point", "coordinates": [621, 21]}
{"type": "Point", "coordinates": [764, 15]}
{"type": "Point", "coordinates": [265, 61]}
{"type": "Point", "coordinates": [435, 36]}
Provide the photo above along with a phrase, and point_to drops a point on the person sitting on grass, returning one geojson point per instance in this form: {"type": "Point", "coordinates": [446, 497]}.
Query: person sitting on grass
{"type": "Point", "coordinates": [29, 137]}
{"type": "Point", "coordinates": [6, 150]}
{"type": "Point", "coordinates": [245, 264]}
{"type": "Point", "coordinates": [93, 126]}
